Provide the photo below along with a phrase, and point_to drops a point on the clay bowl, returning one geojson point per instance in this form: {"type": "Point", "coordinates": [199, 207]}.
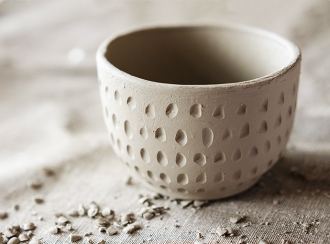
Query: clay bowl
{"type": "Point", "coordinates": [198, 112]}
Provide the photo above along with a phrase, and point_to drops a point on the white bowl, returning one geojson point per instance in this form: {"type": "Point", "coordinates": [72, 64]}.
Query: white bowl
{"type": "Point", "coordinates": [198, 112]}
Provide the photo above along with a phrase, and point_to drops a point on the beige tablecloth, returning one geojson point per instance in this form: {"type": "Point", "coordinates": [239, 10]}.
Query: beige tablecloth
{"type": "Point", "coordinates": [50, 116]}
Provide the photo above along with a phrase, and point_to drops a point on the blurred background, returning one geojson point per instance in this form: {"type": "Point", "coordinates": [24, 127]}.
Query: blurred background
{"type": "Point", "coordinates": [50, 110]}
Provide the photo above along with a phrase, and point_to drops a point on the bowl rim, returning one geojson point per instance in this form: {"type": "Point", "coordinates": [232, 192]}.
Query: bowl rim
{"type": "Point", "coordinates": [102, 61]}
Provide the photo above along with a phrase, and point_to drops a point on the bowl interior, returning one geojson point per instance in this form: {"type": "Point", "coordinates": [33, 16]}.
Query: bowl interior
{"type": "Point", "coordinates": [199, 55]}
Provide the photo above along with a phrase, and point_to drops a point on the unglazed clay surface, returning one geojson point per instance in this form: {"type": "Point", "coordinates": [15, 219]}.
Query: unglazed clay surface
{"type": "Point", "coordinates": [205, 141]}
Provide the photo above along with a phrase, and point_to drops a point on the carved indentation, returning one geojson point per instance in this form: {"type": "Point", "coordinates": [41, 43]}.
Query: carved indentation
{"type": "Point", "coordinates": [226, 135]}
{"type": "Point", "coordinates": [200, 159]}
{"type": "Point", "coordinates": [201, 178]}
{"type": "Point", "coordinates": [201, 190]}
{"type": "Point", "coordinates": [264, 106]}
{"type": "Point", "coordinates": [160, 134]}
{"type": "Point", "coordinates": [182, 179]}
{"type": "Point", "coordinates": [254, 171]}
{"type": "Point", "coordinates": [152, 175]}
{"type": "Point", "coordinates": [162, 159]}
{"type": "Point", "coordinates": [266, 147]}
{"type": "Point", "coordinates": [270, 163]}
{"type": "Point", "coordinates": [289, 112]}
{"type": "Point", "coordinates": [150, 111]}
{"type": "Point", "coordinates": [219, 177]}
{"type": "Point", "coordinates": [144, 133]}
{"type": "Point", "coordinates": [171, 110]}
{"type": "Point", "coordinates": [106, 112]}
{"type": "Point", "coordinates": [114, 121]}
{"type": "Point", "coordinates": [294, 89]}
{"type": "Point", "coordinates": [278, 140]}
{"type": "Point", "coordinates": [196, 111]}
{"type": "Point", "coordinates": [131, 103]}
{"type": "Point", "coordinates": [253, 152]}
{"type": "Point", "coordinates": [181, 190]}
{"type": "Point", "coordinates": [180, 160]}
{"type": "Point", "coordinates": [219, 112]}
{"type": "Point", "coordinates": [263, 127]}
{"type": "Point", "coordinates": [223, 188]}
{"type": "Point", "coordinates": [119, 144]}
{"type": "Point", "coordinates": [241, 109]}
{"type": "Point", "coordinates": [207, 136]}
{"type": "Point", "coordinates": [164, 187]}
{"type": "Point", "coordinates": [112, 139]}
{"type": "Point", "coordinates": [117, 97]}
{"type": "Point", "coordinates": [165, 178]}
{"type": "Point", "coordinates": [244, 131]}
{"type": "Point", "coordinates": [237, 175]}
{"type": "Point", "coordinates": [281, 98]}
{"type": "Point", "coordinates": [137, 169]}
{"type": "Point", "coordinates": [130, 151]}
{"type": "Point", "coordinates": [145, 155]}
{"type": "Point", "coordinates": [219, 158]}
{"type": "Point", "coordinates": [181, 137]}
{"type": "Point", "coordinates": [237, 155]}
{"type": "Point", "coordinates": [128, 129]}
{"type": "Point", "coordinates": [278, 121]}
{"type": "Point", "coordinates": [287, 134]}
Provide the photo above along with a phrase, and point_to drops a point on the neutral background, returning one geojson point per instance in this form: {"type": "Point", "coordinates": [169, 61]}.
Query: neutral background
{"type": "Point", "coordinates": [50, 115]}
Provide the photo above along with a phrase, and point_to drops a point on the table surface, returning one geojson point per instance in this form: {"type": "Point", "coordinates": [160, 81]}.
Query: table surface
{"type": "Point", "coordinates": [50, 116]}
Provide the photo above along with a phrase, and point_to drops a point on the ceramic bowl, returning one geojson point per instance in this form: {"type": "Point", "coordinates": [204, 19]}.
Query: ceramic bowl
{"type": "Point", "coordinates": [198, 112]}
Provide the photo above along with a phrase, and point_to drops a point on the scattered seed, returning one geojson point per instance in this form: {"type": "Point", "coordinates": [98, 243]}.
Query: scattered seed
{"type": "Point", "coordinates": [102, 221]}
{"type": "Point", "coordinates": [177, 225]}
{"type": "Point", "coordinates": [16, 207]}
{"type": "Point", "coordinates": [48, 171]}
{"type": "Point", "coordinates": [112, 230]}
{"type": "Point", "coordinates": [198, 242]}
{"type": "Point", "coordinates": [1, 238]}
{"type": "Point", "coordinates": [13, 240]}
{"type": "Point", "coordinates": [130, 229]}
{"type": "Point", "coordinates": [230, 231]}
{"type": "Point", "coordinates": [16, 227]}
{"type": "Point", "coordinates": [200, 203]}
{"type": "Point", "coordinates": [107, 212]}
{"type": "Point", "coordinates": [128, 181]}
{"type": "Point", "coordinates": [23, 237]}
{"type": "Point", "coordinates": [34, 213]}
{"type": "Point", "coordinates": [275, 202]}
{"type": "Point", "coordinates": [29, 233]}
{"type": "Point", "coordinates": [102, 229]}
{"type": "Point", "coordinates": [235, 220]}
{"type": "Point", "coordinates": [263, 242]}
{"type": "Point", "coordinates": [34, 184]}
{"type": "Point", "coordinates": [186, 203]}
{"type": "Point", "coordinates": [38, 200]}
{"type": "Point", "coordinates": [28, 226]}
{"type": "Point", "coordinates": [92, 212]}
{"type": "Point", "coordinates": [247, 224]}
{"type": "Point", "coordinates": [221, 231]}
{"type": "Point", "coordinates": [35, 241]}
{"type": "Point", "coordinates": [40, 218]}
{"type": "Point", "coordinates": [69, 227]}
{"type": "Point", "coordinates": [57, 215]}
{"type": "Point", "coordinates": [90, 241]}
{"type": "Point", "coordinates": [74, 238]}
{"type": "Point", "coordinates": [199, 235]}
{"type": "Point", "coordinates": [126, 217]}
{"type": "Point", "coordinates": [62, 220]}
{"type": "Point", "coordinates": [54, 230]}
{"type": "Point", "coordinates": [148, 216]}
{"type": "Point", "coordinates": [101, 242]}
{"type": "Point", "coordinates": [73, 213]}
{"type": "Point", "coordinates": [9, 234]}
{"type": "Point", "coordinates": [81, 210]}
{"type": "Point", "coordinates": [3, 215]}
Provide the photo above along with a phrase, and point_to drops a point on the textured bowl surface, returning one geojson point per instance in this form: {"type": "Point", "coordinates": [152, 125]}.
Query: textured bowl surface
{"type": "Point", "coordinates": [202, 141]}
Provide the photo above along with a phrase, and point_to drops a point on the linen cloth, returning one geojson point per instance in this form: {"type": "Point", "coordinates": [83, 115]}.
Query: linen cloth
{"type": "Point", "coordinates": [50, 116]}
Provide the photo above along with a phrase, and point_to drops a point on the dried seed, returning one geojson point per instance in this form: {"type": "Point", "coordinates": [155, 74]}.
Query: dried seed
{"type": "Point", "coordinates": [112, 230]}
{"type": "Point", "coordinates": [34, 184]}
{"type": "Point", "coordinates": [101, 242]}
{"type": "Point", "coordinates": [126, 217]}
{"type": "Point", "coordinates": [221, 231]}
{"type": "Point", "coordinates": [102, 229]}
{"type": "Point", "coordinates": [38, 200]}
{"type": "Point", "coordinates": [73, 213]}
{"type": "Point", "coordinates": [16, 227]}
{"type": "Point", "coordinates": [89, 234]}
{"type": "Point", "coordinates": [23, 237]}
{"type": "Point", "coordinates": [148, 216]}
{"type": "Point", "coordinates": [200, 203]}
{"type": "Point", "coordinates": [186, 203]}
{"type": "Point", "coordinates": [198, 242]}
{"type": "Point", "coordinates": [3, 215]}
{"type": "Point", "coordinates": [142, 211]}
{"type": "Point", "coordinates": [93, 205]}
{"type": "Point", "coordinates": [102, 221]}
{"type": "Point", "coordinates": [16, 207]}
{"type": "Point", "coordinates": [28, 226]}
{"type": "Point", "coordinates": [62, 220]}
{"type": "Point", "coordinates": [81, 210]}
{"type": "Point", "coordinates": [69, 227]}
{"type": "Point", "coordinates": [130, 229]}
{"type": "Point", "coordinates": [13, 240]}
{"type": "Point", "coordinates": [235, 220]}
{"type": "Point", "coordinates": [199, 235]}
{"type": "Point", "coordinates": [74, 238]}
{"type": "Point", "coordinates": [1, 238]}
{"type": "Point", "coordinates": [128, 181]}
{"type": "Point", "coordinates": [48, 171]}
{"type": "Point", "coordinates": [9, 234]}
{"type": "Point", "coordinates": [92, 212]}
{"type": "Point", "coordinates": [54, 230]}
{"type": "Point", "coordinates": [263, 242]}
{"type": "Point", "coordinates": [34, 213]}
{"type": "Point", "coordinates": [107, 212]}
{"type": "Point", "coordinates": [90, 241]}
{"type": "Point", "coordinates": [40, 218]}
{"type": "Point", "coordinates": [29, 233]}
{"type": "Point", "coordinates": [230, 231]}
{"type": "Point", "coordinates": [57, 215]}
